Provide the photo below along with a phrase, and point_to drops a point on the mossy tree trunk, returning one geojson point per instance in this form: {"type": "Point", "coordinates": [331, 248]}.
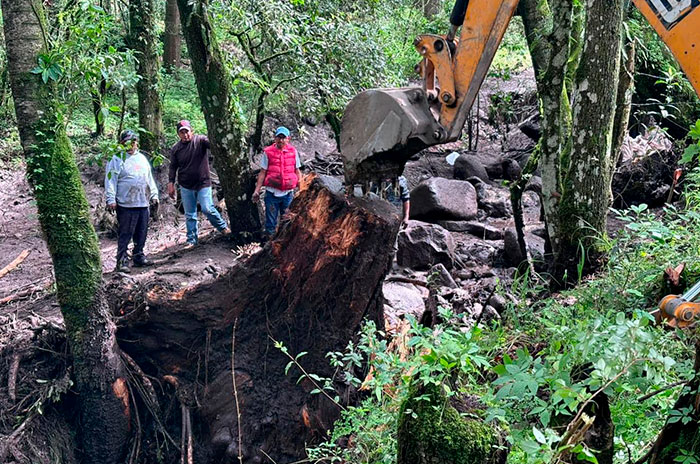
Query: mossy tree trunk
{"type": "Point", "coordinates": [71, 239]}
{"type": "Point", "coordinates": [225, 126]}
{"type": "Point", "coordinates": [433, 429]}
{"type": "Point", "coordinates": [585, 193]}
{"type": "Point", "coordinates": [172, 47]}
{"type": "Point", "coordinates": [142, 38]}
{"type": "Point", "coordinates": [577, 85]}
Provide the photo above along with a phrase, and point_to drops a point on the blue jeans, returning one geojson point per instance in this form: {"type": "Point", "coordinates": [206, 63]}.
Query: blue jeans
{"type": "Point", "coordinates": [275, 207]}
{"type": "Point", "coordinates": [190, 198]}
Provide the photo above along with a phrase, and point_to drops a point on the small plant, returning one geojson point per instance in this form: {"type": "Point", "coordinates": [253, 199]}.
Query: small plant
{"type": "Point", "coordinates": [691, 151]}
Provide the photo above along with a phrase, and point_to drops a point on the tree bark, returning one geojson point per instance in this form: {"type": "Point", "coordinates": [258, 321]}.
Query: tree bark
{"type": "Point", "coordinates": [71, 239]}
{"type": "Point", "coordinates": [625, 89]}
{"type": "Point", "coordinates": [586, 191]}
{"type": "Point", "coordinates": [97, 97]}
{"type": "Point", "coordinates": [142, 38]}
{"type": "Point", "coordinates": [225, 126]}
{"type": "Point", "coordinates": [309, 289]}
{"type": "Point", "coordinates": [172, 48]}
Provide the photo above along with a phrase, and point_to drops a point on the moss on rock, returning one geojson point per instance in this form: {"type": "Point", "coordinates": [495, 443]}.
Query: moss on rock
{"type": "Point", "coordinates": [432, 431]}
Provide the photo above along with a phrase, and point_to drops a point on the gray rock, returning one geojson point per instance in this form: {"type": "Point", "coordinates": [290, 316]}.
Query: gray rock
{"type": "Point", "coordinates": [404, 298]}
{"type": "Point", "coordinates": [490, 314]}
{"type": "Point", "coordinates": [443, 199]}
{"type": "Point", "coordinates": [421, 245]}
{"type": "Point", "coordinates": [467, 166]}
{"type": "Point", "coordinates": [535, 185]}
{"type": "Point", "coordinates": [531, 127]}
{"type": "Point", "coordinates": [498, 302]}
{"type": "Point", "coordinates": [479, 251]}
{"type": "Point", "coordinates": [332, 183]}
{"type": "Point", "coordinates": [441, 276]}
{"type": "Point", "coordinates": [511, 169]}
{"type": "Point", "coordinates": [493, 201]}
{"type": "Point", "coordinates": [477, 229]}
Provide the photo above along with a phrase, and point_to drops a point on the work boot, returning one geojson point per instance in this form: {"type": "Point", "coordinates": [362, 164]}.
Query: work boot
{"type": "Point", "coordinates": [123, 266]}
{"type": "Point", "coordinates": [142, 262]}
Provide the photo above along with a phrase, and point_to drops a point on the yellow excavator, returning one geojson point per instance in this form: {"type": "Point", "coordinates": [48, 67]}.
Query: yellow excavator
{"type": "Point", "coordinates": [383, 128]}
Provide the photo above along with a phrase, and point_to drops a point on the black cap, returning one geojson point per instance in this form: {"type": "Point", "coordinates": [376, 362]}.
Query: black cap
{"type": "Point", "coordinates": [128, 135]}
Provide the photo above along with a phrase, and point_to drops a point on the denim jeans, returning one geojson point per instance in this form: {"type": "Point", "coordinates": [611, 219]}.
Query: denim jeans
{"type": "Point", "coordinates": [275, 207]}
{"type": "Point", "coordinates": [133, 223]}
{"type": "Point", "coordinates": [190, 198]}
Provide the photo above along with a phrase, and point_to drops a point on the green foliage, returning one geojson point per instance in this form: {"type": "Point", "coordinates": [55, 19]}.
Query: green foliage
{"type": "Point", "coordinates": [513, 55]}
{"type": "Point", "coordinates": [537, 369]}
{"type": "Point", "coordinates": [691, 151]}
{"type": "Point", "coordinates": [319, 53]}
{"type": "Point", "coordinates": [662, 92]}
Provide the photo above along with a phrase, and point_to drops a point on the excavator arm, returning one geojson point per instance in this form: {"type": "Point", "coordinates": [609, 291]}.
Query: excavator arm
{"type": "Point", "coordinates": [383, 128]}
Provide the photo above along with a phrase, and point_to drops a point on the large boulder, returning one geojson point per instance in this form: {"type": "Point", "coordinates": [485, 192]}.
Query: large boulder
{"type": "Point", "coordinates": [443, 199]}
{"type": "Point", "coordinates": [421, 245]}
{"type": "Point", "coordinates": [467, 166]}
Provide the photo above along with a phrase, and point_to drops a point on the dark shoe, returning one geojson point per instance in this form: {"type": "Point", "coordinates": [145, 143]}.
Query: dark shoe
{"type": "Point", "coordinates": [123, 266]}
{"type": "Point", "coordinates": [143, 262]}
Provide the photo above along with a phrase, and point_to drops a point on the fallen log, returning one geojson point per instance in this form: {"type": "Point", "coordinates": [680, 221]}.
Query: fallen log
{"type": "Point", "coordinates": [310, 288]}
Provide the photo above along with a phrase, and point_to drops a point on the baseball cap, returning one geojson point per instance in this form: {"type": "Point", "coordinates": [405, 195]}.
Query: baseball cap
{"type": "Point", "coordinates": [128, 135]}
{"type": "Point", "coordinates": [282, 131]}
{"type": "Point", "coordinates": [183, 124]}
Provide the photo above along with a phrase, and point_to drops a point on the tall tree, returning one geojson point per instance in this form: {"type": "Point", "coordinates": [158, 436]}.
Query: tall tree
{"type": "Point", "coordinates": [225, 124]}
{"type": "Point", "coordinates": [172, 48]}
{"type": "Point", "coordinates": [142, 38]}
{"type": "Point", "coordinates": [64, 216]}
{"type": "Point", "coordinates": [577, 62]}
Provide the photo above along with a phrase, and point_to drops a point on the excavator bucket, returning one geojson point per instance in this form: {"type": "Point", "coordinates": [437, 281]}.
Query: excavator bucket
{"type": "Point", "coordinates": [382, 129]}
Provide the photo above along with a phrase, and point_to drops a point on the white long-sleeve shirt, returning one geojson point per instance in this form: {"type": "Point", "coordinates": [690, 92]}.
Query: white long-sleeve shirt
{"type": "Point", "coordinates": [129, 182]}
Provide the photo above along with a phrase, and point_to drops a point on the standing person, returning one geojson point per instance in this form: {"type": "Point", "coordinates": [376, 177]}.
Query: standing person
{"type": "Point", "coordinates": [189, 162]}
{"type": "Point", "coordinates": [280, 175]}
{"type": "Point", "coordinates": [129, 189]}
{"type": "Point", "coordinates": [396, 192]}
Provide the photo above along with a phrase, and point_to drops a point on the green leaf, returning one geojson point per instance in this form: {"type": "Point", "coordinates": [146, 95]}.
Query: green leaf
{"type": "Point", "coordinates": [689, 154]}
{"type": "Point", "coordinates": [539, 436]}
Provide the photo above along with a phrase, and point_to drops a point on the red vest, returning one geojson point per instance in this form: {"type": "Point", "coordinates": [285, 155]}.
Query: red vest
{"type": "Point", "coordinates": [281, 167]}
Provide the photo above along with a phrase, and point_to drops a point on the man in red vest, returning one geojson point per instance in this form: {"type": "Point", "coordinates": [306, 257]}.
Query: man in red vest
{"type": "Point", "coordinates": [280, 175]}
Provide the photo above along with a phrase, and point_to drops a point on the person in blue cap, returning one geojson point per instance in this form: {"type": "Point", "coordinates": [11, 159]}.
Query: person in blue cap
{"type": "Point", "coordinates": [280, 175]}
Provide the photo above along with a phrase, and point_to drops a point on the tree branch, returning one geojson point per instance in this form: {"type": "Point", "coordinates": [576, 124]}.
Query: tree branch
{"type": "Point", "coordinates": [284, 81]}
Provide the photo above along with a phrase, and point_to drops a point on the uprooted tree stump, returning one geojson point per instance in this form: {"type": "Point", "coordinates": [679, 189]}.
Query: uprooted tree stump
{"type": "Point", "coordinates": [310, 289]}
